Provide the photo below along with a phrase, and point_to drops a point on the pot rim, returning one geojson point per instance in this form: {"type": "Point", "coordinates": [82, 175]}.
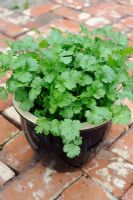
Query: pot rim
{"type": "Point", "coordinates": [32, 118]}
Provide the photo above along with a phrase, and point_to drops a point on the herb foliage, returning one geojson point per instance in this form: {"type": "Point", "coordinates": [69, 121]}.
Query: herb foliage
{"type": "Point", "coordinates": [67, 79]}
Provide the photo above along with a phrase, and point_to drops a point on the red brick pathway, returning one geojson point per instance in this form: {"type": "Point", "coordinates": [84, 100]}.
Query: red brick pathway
{"type": "Point", "coordinates": [109, 175]}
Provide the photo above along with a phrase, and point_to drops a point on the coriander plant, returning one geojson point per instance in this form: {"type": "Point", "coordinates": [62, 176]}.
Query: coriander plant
{"type": "Point", "coordinates": [67, 79]}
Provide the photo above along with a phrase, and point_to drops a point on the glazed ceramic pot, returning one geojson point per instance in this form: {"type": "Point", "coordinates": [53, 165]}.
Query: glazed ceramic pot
{"type": "Point", "coordinates": [47, 147]}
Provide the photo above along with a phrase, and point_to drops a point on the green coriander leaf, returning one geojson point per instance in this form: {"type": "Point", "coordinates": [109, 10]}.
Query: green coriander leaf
{"type": "Point", "coordinates": [98, 115]}
{"type": "Point", "coordinates": [55, 127]}
{"type": "Point", "coordinates": [26, 105]}
{"type": "Point", "coordinates": [87, 62]}
{"type": "Point", "coordinates": [21, 94]}
{"type": "Point", "coordinates": [49, 78]}
{"type": "Point", "coordinates": [130, 65]}
{"type": "Point", "coordinates": [55, 37]}
{"type": "Point", "coordinates": [71, 78]}
{"type": "Point", "coordinates": [85, 80]}
{"type": "Point", "coordinates": [121, 114]}
{"type": "Point", "coordinates": [105, 74]}
{"type": "Point", "coordinates": [97, 89]}
{"type": "Point", "coordinates": [43, 126]}
{"type": "Point", "coordinates": [33, 93]}
{"type": "Point", "coordinates": [66, 60]}
{"type": "Point", "coordinates": [78, 141]}
{"type": "Point", "coordinates": [32, 64]}
{"type": "Point", "coordinates": [3, 93]}
{"type": "Point", "coordinates": [71, 150]}
{"type": "Point", "coordinates": [23, 77]}
{"type": "Point", "coordinates": [43, 43]}
{"type": "Point", "coordinates": [27, 43]}
{"type": "Point", "coordinates": [37, 83]}
{"type": "Point", "coordinates": [70, 129]}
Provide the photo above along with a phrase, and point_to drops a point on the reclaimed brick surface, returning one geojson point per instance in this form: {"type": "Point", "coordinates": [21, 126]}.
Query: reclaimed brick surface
{"type": "Point", "coordinates": [4, 104]}
{"type": "Point", "coordinates": [101, 8]}
{"type": "Point", "coordinates": [5, 173]}
{"type": "Point", "coordinates": [17, 153]}
{"type": "Point", "coordinates": [115, 132]}
{"type": "Point", "coordinates": [42, 9]}
{"type": "Point", "coordinates": [40, 21]}
{"type": "Point", "coordinates": [66, 25]}
{"type": "Point", "coordinates": [71, 14]}
{"type": "Point", "coordinates": [78, 4]}
{"type": "Point", "coordinates": [7, 130]}
{"type": "Point", "coordinates": [128, 21]}
{"type": "Point", "coordinates": [97, 22]}
{"type": "Point", "coordinates": [109, 175]}
{"type": "Point", "coordinates": [128, 195]}
{"type": "Point", "coordinates": [3, 39]}
{"type": "Point", "coordinates": [84, 189]}
{"type": "Point", "coordinates": [124, 146]}
{"type": "Point", "coordinates": [39, 183]}
{"type": "Point", "coordinates": [11, 29]}
{"type": "Point", "coordinates": [12, 115]}
{"type": "Point", "coordinates": [111, 172]}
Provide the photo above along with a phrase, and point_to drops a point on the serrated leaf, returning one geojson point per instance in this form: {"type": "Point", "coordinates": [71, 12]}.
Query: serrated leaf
{"type": "Point", "coordinates": [26, 105]}
{"type": "Point", "coordinates": [21, 94]}
{"type": "Point", "coordinates": [71, 150]}
{"type": "Point", "coordinates": [55, 127]}
{"type": "Point", "coordinates": [43, 126]}
{"type": "Point", "coordinates": [43, 43]}
{"type": "Point", "coordinates": [66, 60]}
{"type": "Point", "coordinates": [121, 114]}
{"type": "Point", "coordinates": [130, 65]}
{"type": "Point", "coordinates": [105, 74]}
{"type": "Point", "coordinates": [85, 80]}
{"type": "Point", "coordinates": [70, 78]}
{"type": "Point", "coordinates": [3, 93]}
{"type": "Point", "coordinates": [70, 129]}
{"type": "Point", "coordinates": [98, 115]}
{"type": "Point", "coordinates": [23, 77]}
{"type": "Point", "coordinates": [32, 64]}
{"type": "Point", "coordinates": [33, 93]}
{"type": "Point", "coordinates": [37, 83]}
{"type": "Point", "coordinates": [87, 62]}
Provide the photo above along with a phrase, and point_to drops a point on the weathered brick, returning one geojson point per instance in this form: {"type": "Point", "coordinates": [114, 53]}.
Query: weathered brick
{"type": "Point", "coordinates": [130, 36]}
{"type": "Point", "coordinates": [124, 146]}
{"type": "Point", "coordinates": [17, 153]}
{"type": "Point", "coordinates": [128, 195]}
{"type": "Point", "coordinates": [3, 39]}
{"type": "Point", "coordinates": [129, 103]}
{"type": "Point", "coordinates": [40, 21]}
{"type": "Point", "coordinates": [97, 21]}
{"type": "Point", "coordinates": [7, 130]}
{"type": "Point", "coordinates": [128, 22]}
{"type": "Point", "coordinates": [4, 104]}
{"type": "Point", "coordinates": [11, 29]}
{"type": "Point", "coordinates": [66, 25]}
{"type": "Point", "coordinates": [5, 78]}
{"type": "Point", "coordinates": [12, 115]}
{"type": "Point", "coordinates": [85, 188]}
{"type": "Point", "coordinates": [110, 171]}
{"type": "Point", "coordinates": [39, 183]}
{"type": "Point", "coordinates": [115, 132]}
{"type": "Point", "coordinates": [102, 8]}
{"type": "Point", "coordinates": [71, 14]}
{"type": "Point", "coordinates": [42, 9]}
{"type": "Point", "coordinates": [124, 10]}
{"type": "Point", "coordinates": [130, 43]}
{"type": "Point", "coordinates": [5, 173]}
{"type": "Point", "coordinates": [78, 4]}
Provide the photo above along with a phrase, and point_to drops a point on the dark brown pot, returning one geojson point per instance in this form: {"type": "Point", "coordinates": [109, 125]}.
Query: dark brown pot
{"type": "Point", "coordinates": [48, 148]}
